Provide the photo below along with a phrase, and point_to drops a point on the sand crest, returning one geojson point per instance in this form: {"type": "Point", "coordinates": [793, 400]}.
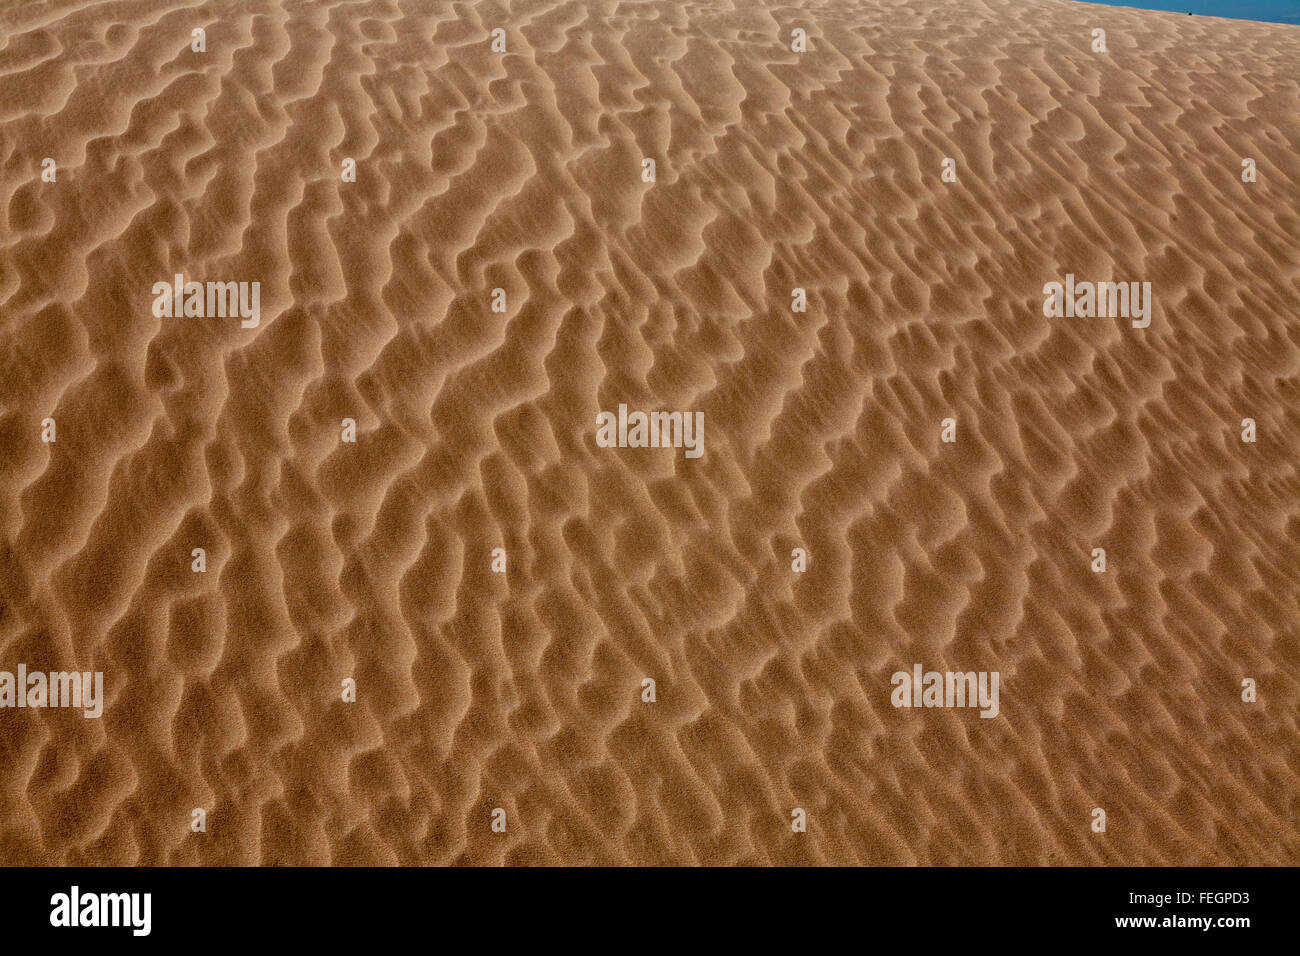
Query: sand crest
{"type": "Point", "coordinates": [523, 171]}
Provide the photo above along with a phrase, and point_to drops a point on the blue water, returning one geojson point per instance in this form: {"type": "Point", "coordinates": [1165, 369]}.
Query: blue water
{"type": "Point", "coordinates": [1274, 11]}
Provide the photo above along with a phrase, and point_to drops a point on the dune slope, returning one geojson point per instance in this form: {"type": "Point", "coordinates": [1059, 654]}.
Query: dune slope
{"type": "Point", "coordinates": [521, 170]}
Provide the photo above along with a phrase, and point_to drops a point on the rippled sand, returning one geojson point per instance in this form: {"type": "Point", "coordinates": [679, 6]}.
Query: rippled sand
{"type": "Point", "coordinates": [476, 430]}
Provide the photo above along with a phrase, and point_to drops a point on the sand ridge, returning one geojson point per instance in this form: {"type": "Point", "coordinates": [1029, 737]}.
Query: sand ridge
{"type": "Point", "coordinates": [522, 171]}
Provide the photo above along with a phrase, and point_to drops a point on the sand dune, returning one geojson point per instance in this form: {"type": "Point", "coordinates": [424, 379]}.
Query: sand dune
{"type": "Point", "coordinates": [522, 171]}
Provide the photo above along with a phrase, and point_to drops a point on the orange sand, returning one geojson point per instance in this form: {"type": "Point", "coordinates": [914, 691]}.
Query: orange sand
{"type": "Point", "coordinates": [522, 691]}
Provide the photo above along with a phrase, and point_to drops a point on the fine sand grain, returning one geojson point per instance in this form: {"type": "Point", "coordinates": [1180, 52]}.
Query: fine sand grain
{"type": "Point", "coordinates": [775, 170]}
